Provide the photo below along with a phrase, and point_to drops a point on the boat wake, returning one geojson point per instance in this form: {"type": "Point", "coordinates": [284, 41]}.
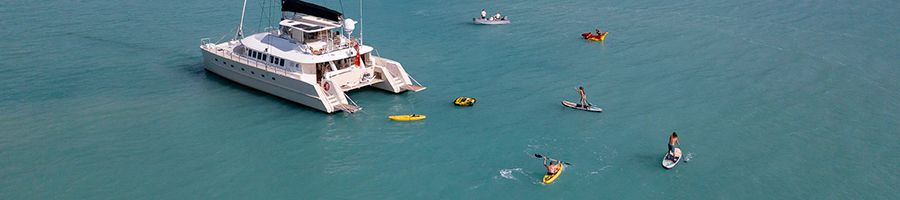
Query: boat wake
{"type": "Point", "coordinates": [508, 173]}
{"type": "Point", "coordinates": [599, 170]}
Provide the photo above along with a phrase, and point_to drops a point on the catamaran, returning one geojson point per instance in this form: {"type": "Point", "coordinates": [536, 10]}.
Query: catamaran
{"type": "Point", "coordinates": [312, 58]}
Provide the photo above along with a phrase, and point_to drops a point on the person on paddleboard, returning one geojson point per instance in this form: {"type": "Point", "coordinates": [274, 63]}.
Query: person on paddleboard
{"type": "Point", "coordinates": [673, 140]}
{"type": "Point", "coordinates": [553, 167]}
{"type": "Point", "coordinates": [584, 103]}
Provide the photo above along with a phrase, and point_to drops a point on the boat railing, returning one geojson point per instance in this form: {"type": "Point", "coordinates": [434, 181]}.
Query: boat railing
{"type": "Point", "coordinates": [414, 80]}
{"type": "Point", "coordinates": [272, 30]}
{"type": "Point", "coordinates": [204, 41]}
{"type": "Point", "coordinates": [351, 100]}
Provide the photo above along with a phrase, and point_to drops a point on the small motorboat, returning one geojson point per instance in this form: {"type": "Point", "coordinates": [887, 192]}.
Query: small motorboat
{"type": "Point", "coordinates": [464, 101]}
{"type": "Point", "coordinates": [491, 20]}
{"type": "Point", "coordinates": [590, 36]}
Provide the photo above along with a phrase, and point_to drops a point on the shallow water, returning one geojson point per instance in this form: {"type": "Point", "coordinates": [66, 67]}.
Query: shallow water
{"type": "Point", "coordinates": [774, 99]}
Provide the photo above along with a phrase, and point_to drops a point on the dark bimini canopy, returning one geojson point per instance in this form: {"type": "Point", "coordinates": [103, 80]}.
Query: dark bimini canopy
{"type": "Point", "coordinates": [298, 6]}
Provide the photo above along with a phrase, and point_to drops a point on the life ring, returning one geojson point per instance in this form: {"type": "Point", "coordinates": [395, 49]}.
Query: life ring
{"type": "Point", "coordinates": [326, 86]}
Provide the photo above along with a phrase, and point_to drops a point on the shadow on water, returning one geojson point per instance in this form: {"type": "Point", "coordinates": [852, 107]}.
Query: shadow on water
{"type": "Point", "coordinates": [648, 161]}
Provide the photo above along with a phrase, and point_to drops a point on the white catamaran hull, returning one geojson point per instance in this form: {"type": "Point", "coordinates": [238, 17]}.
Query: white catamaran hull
{"type": "Point", "coordinates": [311, 58]}
{"type": "Point", "coordinates": [388, 75]}
{"type": "Point", "coordinates": [260, 79]}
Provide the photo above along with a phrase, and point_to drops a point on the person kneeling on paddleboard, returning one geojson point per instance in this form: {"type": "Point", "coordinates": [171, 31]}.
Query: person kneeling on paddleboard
{"type": "Point", "coordinates": [553, 167]}
{"type": "Point", "coordinates": [584, 103]}
{"type": "Point", "coordinates": [673, 140]}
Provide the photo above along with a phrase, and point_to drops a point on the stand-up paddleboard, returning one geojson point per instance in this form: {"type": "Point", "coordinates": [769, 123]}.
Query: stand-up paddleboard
{"type": "Point", "coordinates": [669, 163]}
{"type": "Point", "coordinates": [579, 107]}
{"type": "Point", "coordinates": [548, 179]}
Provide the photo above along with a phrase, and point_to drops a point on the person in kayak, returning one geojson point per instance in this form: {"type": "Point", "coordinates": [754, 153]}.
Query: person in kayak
{"type": "Point", "coordinates": [483, 14]}
{"type": "Point", "coordinates": [553, 167]}
{"type": "Point", "coordinates": [584, 103]}
{"type": "Point", "coordinates": [673, 140]}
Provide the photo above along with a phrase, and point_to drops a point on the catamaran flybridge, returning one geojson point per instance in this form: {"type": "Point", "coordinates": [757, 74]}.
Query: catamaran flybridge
{"type": "Point", "coordinates": [312, 59]}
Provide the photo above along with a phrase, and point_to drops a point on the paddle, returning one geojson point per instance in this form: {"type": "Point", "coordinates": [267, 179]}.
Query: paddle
{"type": "Point", "coordinates": [540, 156]}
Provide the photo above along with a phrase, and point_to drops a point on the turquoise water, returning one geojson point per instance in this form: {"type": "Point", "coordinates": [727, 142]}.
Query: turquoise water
{"type": "Point", "coordinates": [772, 99]}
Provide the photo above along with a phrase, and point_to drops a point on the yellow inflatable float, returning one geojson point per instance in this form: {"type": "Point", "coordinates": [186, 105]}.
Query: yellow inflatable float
{"type": "Point", "coordinates": [464, 101]}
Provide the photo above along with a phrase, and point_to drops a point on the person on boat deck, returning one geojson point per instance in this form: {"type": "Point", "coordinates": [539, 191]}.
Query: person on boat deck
{"type": "Point", "coordinates": [497, 16]}
{"type": "Point", "coordinates": [599, 32]}
{"type": "Point", "coordinates": [483, 14]}
{"type": "Point", "coordinates": [673, 140]}
{"type": "Point", "coordinates": [553, 167]}
{"type": "Point", "coordinates": [584, 103]}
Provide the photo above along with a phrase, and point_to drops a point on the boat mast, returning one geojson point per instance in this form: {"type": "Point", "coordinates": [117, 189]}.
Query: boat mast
{"type": "Point", "coordinates": [360, 22]}
{"type": "Point", "coordinates": [240, 31]}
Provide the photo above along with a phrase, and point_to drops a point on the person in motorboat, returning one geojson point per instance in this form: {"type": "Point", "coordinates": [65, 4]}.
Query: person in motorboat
{"type": "Point", "coordinates": [584, 103]}
{"type": "Point", "coordinates": [673, 140]}
{"type": "Point", "coordinates": [599, 32]}
{"type": "Point", "coordinates": [483, 14]}
{"type": "Point", "coordinates": [497, 16]}
{"type": "Point", "coordinates": [553, 167]}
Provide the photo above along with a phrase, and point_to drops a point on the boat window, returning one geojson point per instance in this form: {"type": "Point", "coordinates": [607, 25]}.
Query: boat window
{"type": "Point", "coordinates": [339, 64]}
{"type": "Point", "coordinates": [264, 57]}
{"type": "Point", "coordinates": [281, 62]}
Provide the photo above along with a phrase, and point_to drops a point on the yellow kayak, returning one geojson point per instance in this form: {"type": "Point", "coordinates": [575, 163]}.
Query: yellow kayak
{"type": "Point", "coordinates": [548, 179]}
{"type": "Point", "coordinates": [411, 117]}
